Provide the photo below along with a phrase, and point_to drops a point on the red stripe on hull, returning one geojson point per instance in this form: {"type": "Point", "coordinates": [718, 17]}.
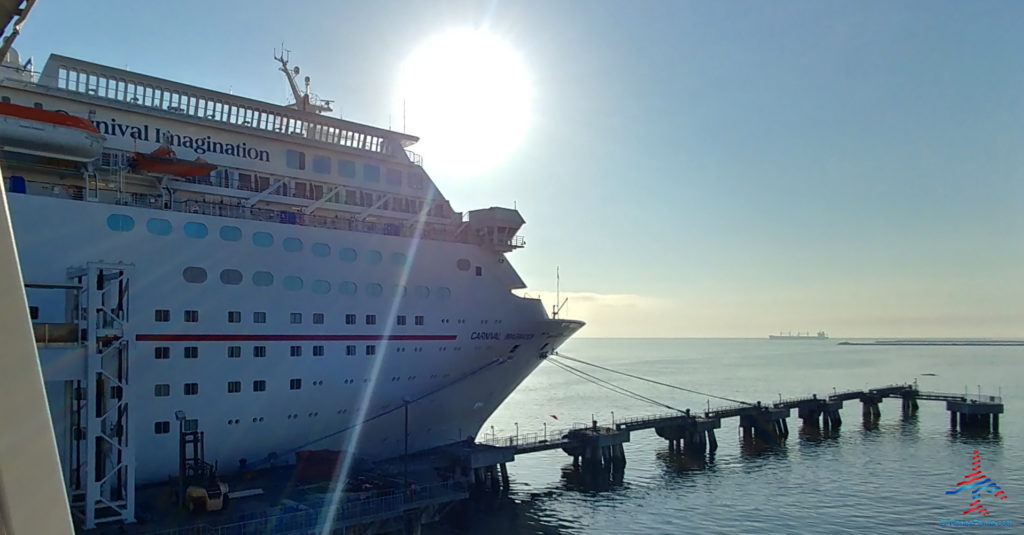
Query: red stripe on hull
{"type": "Point", "coordinates": [295, 337]}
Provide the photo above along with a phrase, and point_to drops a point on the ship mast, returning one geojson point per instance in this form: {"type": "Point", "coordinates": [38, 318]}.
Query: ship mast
{"type": "Point", "coordinates": [304, 100]}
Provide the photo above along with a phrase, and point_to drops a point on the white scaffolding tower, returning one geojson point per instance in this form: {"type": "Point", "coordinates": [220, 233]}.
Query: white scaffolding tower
{"type": "Point", "coordinates": [102, 471]}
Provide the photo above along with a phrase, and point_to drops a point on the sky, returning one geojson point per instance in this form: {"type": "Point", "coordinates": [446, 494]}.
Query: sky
{"type": "Point", "coordinates": [694, 169]}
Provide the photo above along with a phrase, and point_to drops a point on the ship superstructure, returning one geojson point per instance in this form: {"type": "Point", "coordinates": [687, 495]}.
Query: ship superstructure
{"type": "Point", "coordinates": [278, 278]}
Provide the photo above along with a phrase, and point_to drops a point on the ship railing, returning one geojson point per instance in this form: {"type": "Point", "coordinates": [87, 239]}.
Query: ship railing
{"type": "Point", "coordinates": [415, 158]}
{"type": "Point", "coordinates": [408, 230]}
{"type": "Point", "coordinates": [55, 333]}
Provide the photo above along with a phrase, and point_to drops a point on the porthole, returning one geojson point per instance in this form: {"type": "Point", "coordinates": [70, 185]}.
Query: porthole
{"type": "Point", "coordinates": [160, 227]}
{"type": "Point", "coordinates": [292, 245]}
{"type": "Point", "coordinates": [400, 290]}
{"type": "Point", "coordinates": [231, 277]}
{"type": "Point", "coordinates": [444, 292]}
{"type": "Point", "coordinates": [374, 290]}
{"type": "Point", "coordinates": [292, 283]}
{"type": "Point", "coordinates": [263, 278]}
{"type": "Point", "coordinates": [194, 275]}
{"type": "Point", "coordinates": [462, 264]}
{"type": "Point", "coordinates": [120, 222]}
{"type": "Point", "coordinates": [196, 230]}
{"type": "Point", "coordinates": [348, 254]}
{"type": "Point", "coordinates": [230, 233]}
{"type": "Point", "coordinates": [422, 292]}
{"type": "Point", "coordinates": [374, 257]}
{"type": "Point", "coordinates": [347, 288]}
{"type": "Point", "coordinates": [321, 249]}
{"type": "Point", "coordinates": [398, 259]}
{"type": "Point", "coordinates": [321, 287]}
{"type": "Point", "coordinates": [262, 239]}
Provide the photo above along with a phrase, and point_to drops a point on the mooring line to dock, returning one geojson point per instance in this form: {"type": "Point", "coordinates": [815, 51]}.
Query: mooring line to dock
{"type": "Point", "coordinates": [639, 378]}
{"type": "Point", "coordinates": [612, 386]}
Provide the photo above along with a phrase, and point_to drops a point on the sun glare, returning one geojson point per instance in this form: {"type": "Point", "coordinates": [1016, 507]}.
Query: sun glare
{"type": "Point", "coordinates": [467, 94]}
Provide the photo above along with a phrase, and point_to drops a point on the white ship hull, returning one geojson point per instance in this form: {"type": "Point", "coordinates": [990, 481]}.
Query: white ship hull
{"type": "Point", "coordinates": [338, 391]}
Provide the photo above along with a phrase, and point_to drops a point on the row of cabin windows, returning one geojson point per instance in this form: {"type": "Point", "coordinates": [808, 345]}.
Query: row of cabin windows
{"type": "Point", "coordinates": [235, 352]}
{"type": "Point", "coordinates": [234, 387]}
{"type": "Point", "coordinates": [163, 315]}
{"type": "Point", "coordinates": [324, 165]}
{"type": "Point", "coordinates": [198, 275]}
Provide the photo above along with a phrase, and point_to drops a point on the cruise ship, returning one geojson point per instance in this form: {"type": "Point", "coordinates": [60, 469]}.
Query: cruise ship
{"type": "Point", "coordinates": [277, 278]}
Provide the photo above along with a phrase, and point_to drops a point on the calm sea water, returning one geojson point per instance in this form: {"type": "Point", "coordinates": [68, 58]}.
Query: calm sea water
{"type": "Point", "coordinates": [891, 478]}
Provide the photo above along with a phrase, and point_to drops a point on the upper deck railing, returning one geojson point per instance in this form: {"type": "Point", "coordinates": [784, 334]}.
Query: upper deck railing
{"type": "Point", "coordinates": [147, 91]}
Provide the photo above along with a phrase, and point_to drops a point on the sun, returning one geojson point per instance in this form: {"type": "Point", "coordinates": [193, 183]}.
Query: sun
{"type": "Point", "coordinates": [467, 94]}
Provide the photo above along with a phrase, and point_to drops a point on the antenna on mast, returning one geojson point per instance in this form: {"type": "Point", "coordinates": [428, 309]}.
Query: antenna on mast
{"type": "Point", "coordinates": [304, 100]}
{"type": "Point", "coordinates": [559, 303]}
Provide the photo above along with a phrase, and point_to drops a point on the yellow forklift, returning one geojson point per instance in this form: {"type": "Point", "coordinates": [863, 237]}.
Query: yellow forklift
{"type": "Point", "coordinates": [199, 488]}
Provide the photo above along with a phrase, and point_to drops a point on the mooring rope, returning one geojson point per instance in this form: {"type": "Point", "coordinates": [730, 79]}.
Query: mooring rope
{"type": "Point", "coordinates": [611, 386]}
{"type": "Point", "coordinates": [639, 378]}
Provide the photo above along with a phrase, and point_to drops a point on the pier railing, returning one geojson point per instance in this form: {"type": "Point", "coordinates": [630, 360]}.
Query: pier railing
{"type": "Point", "coordinates": [533, 441]}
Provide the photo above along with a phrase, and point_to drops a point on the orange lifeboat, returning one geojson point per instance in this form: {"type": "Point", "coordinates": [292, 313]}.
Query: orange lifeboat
{"type": "Point", "coordinates": [163, 161]}
{"type": "Point", "coordinates": [53, 134]}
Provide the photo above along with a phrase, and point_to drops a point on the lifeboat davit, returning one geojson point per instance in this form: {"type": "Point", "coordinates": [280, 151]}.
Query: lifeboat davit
{"type": "Point", "coordinates": [163, 161]}
{"type": "Point", "coordinates": [54, 134]}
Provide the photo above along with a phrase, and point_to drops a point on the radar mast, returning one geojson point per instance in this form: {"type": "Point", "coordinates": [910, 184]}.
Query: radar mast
{"type": "Point", "coordinates": [305, 100]}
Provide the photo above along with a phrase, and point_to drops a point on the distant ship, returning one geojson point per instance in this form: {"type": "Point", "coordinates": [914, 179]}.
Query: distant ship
{"type": "Point", "coordinates": [798, 336]}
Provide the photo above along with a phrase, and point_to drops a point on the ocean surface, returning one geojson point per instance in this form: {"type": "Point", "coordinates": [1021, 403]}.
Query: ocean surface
{"type": "Point", "coordinates": [889, 478]}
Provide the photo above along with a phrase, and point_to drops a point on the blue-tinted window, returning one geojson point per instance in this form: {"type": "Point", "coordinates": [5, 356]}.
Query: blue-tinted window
{"type": "Point", "coordinates": [373, 257]}
{"type": "Point", "coordinates": [292, 283]}
{"type": "Point", "coordinates": [443, 292]}
{"type": "Point", "coordinates": [394, 177]}
{"type": "Point", "coordinates": [262, 239]}
{"type": "Point", "coordinates": [347, 168]}
{"type": "Point", "coordinates": [231, 277]}
{"type": "Point", "coordinates": [347, 288]}
{"type": "Point", "coordinates": [320, 287]}
{"type": "Point", "coordinates": [295, 159]}
{"type": "Point", "coordinates": [371, 173]}
{"type": "Point", "coordinates": [292, 245]}
{"type": "Point", "coordinates": [196, 230]}
{"type": "Point", "coordinates": [120, 222]}
{"type": "Point", "coordinates": [374, 290]}
{"type": "Point", "coordinates": [415, 181]}
{"type": "Point", "coordinates": [348, 254]}
{"type": "Point", "coordinates": [194, 275]}
{"type": "Point", "coordinates": [160, 227]}
{"type": "Point", "coordinates": [263, 278]}
{"type": "Point", "coordinates": [322, 164]}
{"type": "Point", "coordinates": [422, 292]}
{"type": "Point", "coordinates": [321, 249]}
{"type": "Point", "coordinates": [230, 233]}
{"type": "Point", "coordinates": [398, 259]}
{"type": "Point", "coordinates": [400, 290]}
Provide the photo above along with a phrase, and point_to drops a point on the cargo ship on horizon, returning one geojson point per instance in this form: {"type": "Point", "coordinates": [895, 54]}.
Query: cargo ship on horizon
{"type": "Point", "coordinates": [798, 336]}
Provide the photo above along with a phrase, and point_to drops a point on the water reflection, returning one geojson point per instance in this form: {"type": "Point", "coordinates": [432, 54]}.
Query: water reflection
{"type": "Point", "coordinates": [816, 434]}
{"type": "Point", "coordinates": [592, 480]}
{"type": "Point", "coordinates": [753, 448]}
{"type": "Point", "coordinates": [498, 516]}
{"type": "Point", "coordinates": [975, 436]}
{"type": "Point", "coordinates": [675, 463]}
